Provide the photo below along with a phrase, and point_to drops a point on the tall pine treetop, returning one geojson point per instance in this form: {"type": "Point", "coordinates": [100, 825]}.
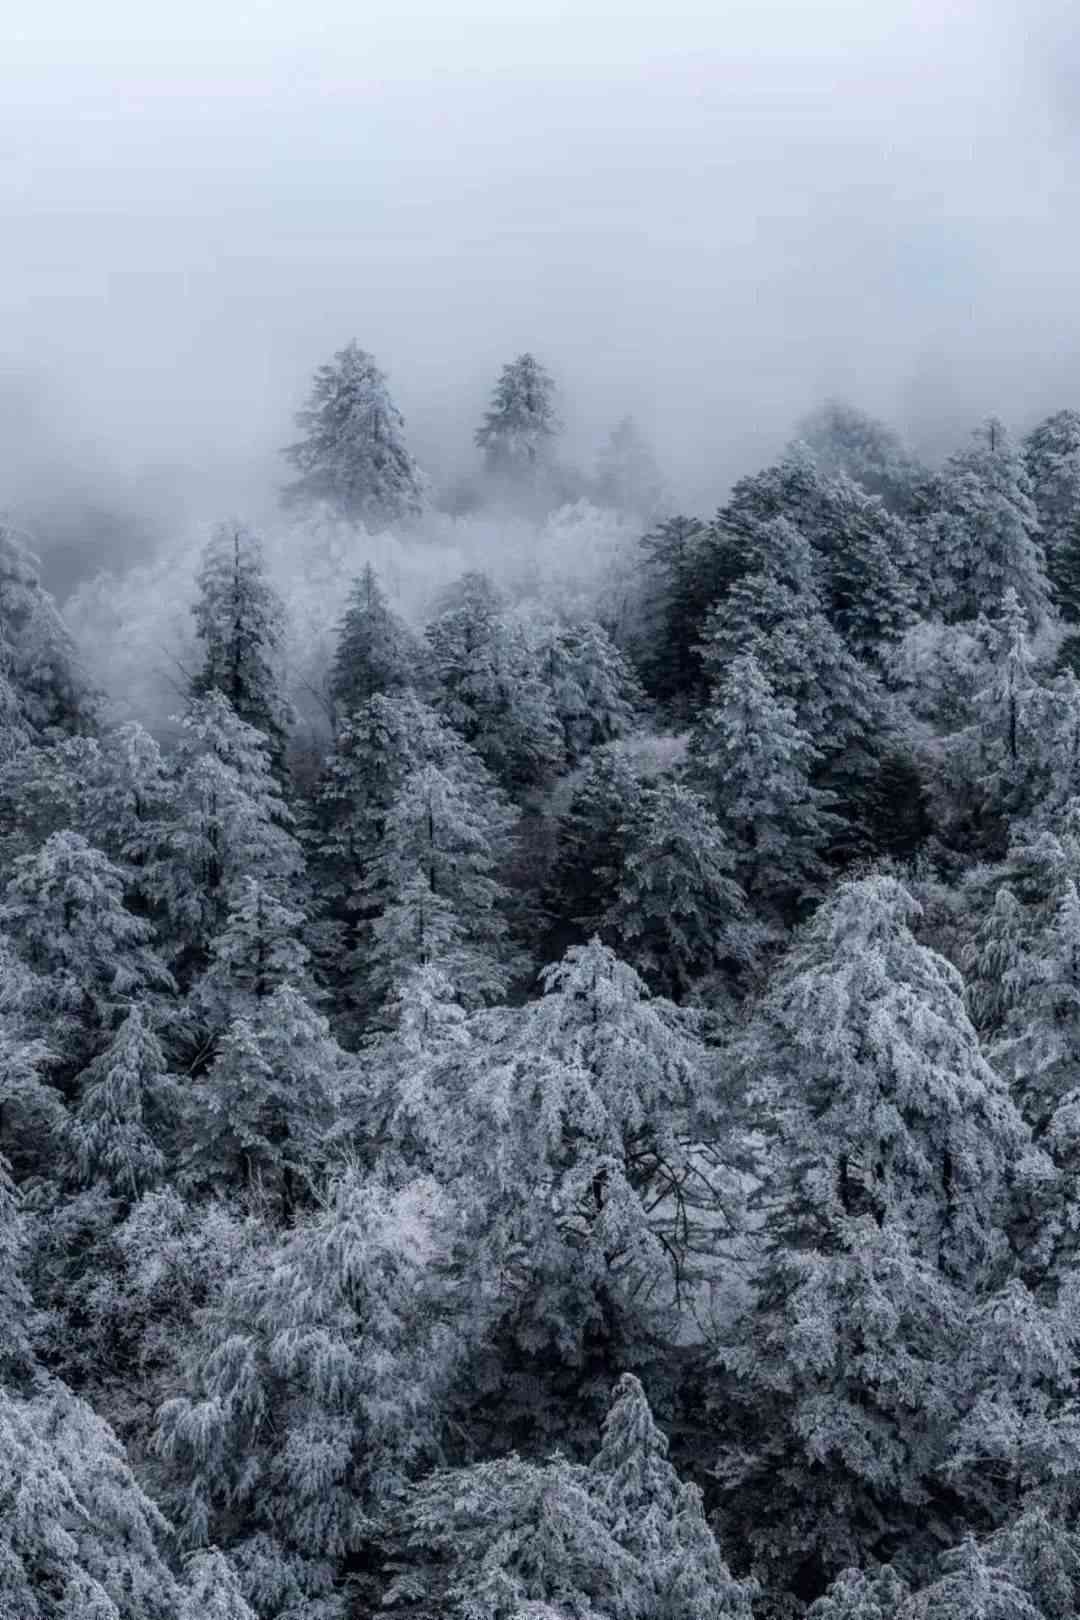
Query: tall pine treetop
{"type": "Point", "coordinates": [521, 422]}
{"type": "Point", "coordinates": [353, 454]}
{"type": "Point", "coordinates": [240, 620]}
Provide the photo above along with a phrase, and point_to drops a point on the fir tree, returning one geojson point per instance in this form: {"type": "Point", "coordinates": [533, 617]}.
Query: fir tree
{"type": "Point", "coordinates": [846, 440]}
{"type": "Point", "coordinates": [127, 1104]}
{"type": "Point", "coordinates": [317, 1384]}
{"type": "Point", "coordinates": [839, 702]}
{"type": "Point", "coordinates": [755, 764]}
{"type": "Point", "coordinates": [39, 663]}
{"type": "Point", "coordinates": [491, 687]}
{"type": "Point", "coordinates": [16, 1307]}
{"type": "Point", "coordinates": [857, 1595]}
{"type": "Point", "coordinates": [227, 820]}
{"type": "Point", "coordinates": [862, 556]}
{"type": "Point", "coordinates": [65, 912]}
{"type": "Point", "coordinates": [983, 533]}
{"type": "Point", "coordinates": [375, 651]}
{"type": "Point", "coordinates": [591, 841]}
{"type": "Point", "coordinates": [267, 1101]}
{"type": "Point", "coordinates": [433, 880]}
{"type": "Point", "coordinates": [127, 802]}
{"type": "Point", "coordinates": [259, 949]}
{"type": "Point", "coordinates": [892, 1145]}
{"type": "Point", "coordinates": [588, 1118]}
{"type": "Point", "coordinates": [353, 454]}
{"type": "Point", "coordinates": [518, 429]}
{"type": "Point", "coordinates": [595, 693]}
{"type": "Point", "coordinates": [78, 1536]}
{"type": "Point", "coordinates": [627, 476]}
{"type": "Point", "coordinates": [657, 1518]}
{"type": "Point", "coordinates": [1051, 454]}
{"type": "Point", "coordinates": [240, 620]}
{"type": "Point", "coordinates": [678, 590]}
{"type": "Point", "coordinates": [678, 913]}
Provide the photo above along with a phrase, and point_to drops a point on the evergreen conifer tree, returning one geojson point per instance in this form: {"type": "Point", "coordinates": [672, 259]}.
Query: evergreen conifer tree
{"type": "Point", "coordinates": [627, 476]}
{"type": "Point", "coordinates": [846, 440]}
{"type": "Point", "coordinates": [240, 621]}
{"type": "Point", "coordinates": [127, 1105]}
{"type": "Point", "coordinates": [316, 1388]}
{"type": "Point", "coordinates": [983, 531]}
{"type": "Point", "coordinates": [375, 651]}
{"type": "Point", "coordinates": [594, 691]}
{"type": "Point", "coordinates": [754, 764]}
{"type": "Point", "coordinates": [678, 913]}
{"type": "Point", "coordinates": [353, 454]}
{"type": "Point", "coordinates": [38, 658]}
{"type": "Point", "coordinates": [892, 1147]}
{"type": "Point", "coordinates": [64, 910]}
{"type": "Point", "coordinates": [518, 429]}
{"type": "Point", "coordinates": [1051, 454]}
{"type": "Point", "coordinates": [268, 1101]}
{"type": "Point", "coordinates": [491, 687]}
{"type": "Point", "coordinates": [227, 821]}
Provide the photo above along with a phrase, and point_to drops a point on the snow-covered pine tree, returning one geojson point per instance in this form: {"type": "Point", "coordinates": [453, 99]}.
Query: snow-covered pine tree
{"type": "Point", "coordinates": [259, 949]}
{"type": "Point", "coordinates": [591, 842]}
{"type": "Point", "coordinates": [227, 820]}
{"type": "Point", "coordinates": [594, 691]}
{"type": "Point", "coordinates": [620, 1538]}
{"type": "Point", "coordinates": [79, 1537]}
{"type": "Point", "coordinates": [658, 1519]}
{"type": "Point", "coordinates": [263, 1111]}
{"type": "Point", "coordinates": [891, 1144]}
{"type": "Point", "coordinates": [240, 621]}
{"type": "Point", "coordinates": [587, 1119]}
{"type": "Point", "coordinates": [1051, 455]}
{"type": "Point", "coordinates": [45, 787]}
{"type": "Point", "coordinates": [64, 910]}
{"type": "Point", "coordinates": [996, 765]}
{"type": "Point", "coordinates": [510, 1536]}
{"type": "Point", "coordinates": [840, 704]}
{"type": "Point", "coordinates": [521, 423]}
{"type": "Point", "coordinates": [627, 475]}
{"type": "Point", "coordinates": [16, 1305]}
{"type": "Point", "coordinates": [317, 1388]}
{"type": "Point", "coordinates": [433, 880]}
{"type": "Point", "coordinates": [38, 657]}
{"type": "Point", "coordinates": [375, 653]}
{"type": "Point", "coordinates": [846, 440]}
{"type": "Point", "coordinates": [754, 764]}
{"type": "Point", "coordinates": [353, 454]}
{"type": "Point", "coordinates": [127, 799]}
{"type": "Point", "coordinates": [678, 913]}
{"type": "Point", "coordinates": [863, 556]}
{"type": "Point", "coordinates": [982, 531]}
{"type": "Point", "coordinates": [856, 1594]}
{"type": "Point", "coordinates": [126, 1111]}
{"type": "Point", "coordinates": [682, 575]}
{"type": "Point", "coordinates": [491, 687]}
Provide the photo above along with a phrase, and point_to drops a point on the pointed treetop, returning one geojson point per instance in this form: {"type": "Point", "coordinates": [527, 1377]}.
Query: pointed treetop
{"type": "Point", "coordinates": [353, 455]}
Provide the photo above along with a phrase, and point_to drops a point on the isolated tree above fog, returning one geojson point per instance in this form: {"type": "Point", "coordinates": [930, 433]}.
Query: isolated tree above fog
{"type": "Point", "coordinates": [353, 454]}
{"type": "Point", "coordinates": [521, 423]}
{"type": "Point", "coordinates": [627, 476]}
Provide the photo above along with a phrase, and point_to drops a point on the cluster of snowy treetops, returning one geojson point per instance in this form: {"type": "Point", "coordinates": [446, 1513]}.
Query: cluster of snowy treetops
{"type": "Point", "coordinates": [600, 1142]}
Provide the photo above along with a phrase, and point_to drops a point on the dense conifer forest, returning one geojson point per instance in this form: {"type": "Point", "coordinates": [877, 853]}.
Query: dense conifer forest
{"type": "Point", "coordinates": [540, 1039]}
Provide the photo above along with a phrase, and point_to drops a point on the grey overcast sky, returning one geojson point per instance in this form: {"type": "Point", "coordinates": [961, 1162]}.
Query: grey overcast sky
{"type": "Point", "coordinates": [712, 214]}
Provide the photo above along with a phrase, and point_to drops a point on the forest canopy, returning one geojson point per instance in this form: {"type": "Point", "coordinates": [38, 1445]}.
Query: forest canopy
{"type": "Point", "coordinates": [540, 1038]}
